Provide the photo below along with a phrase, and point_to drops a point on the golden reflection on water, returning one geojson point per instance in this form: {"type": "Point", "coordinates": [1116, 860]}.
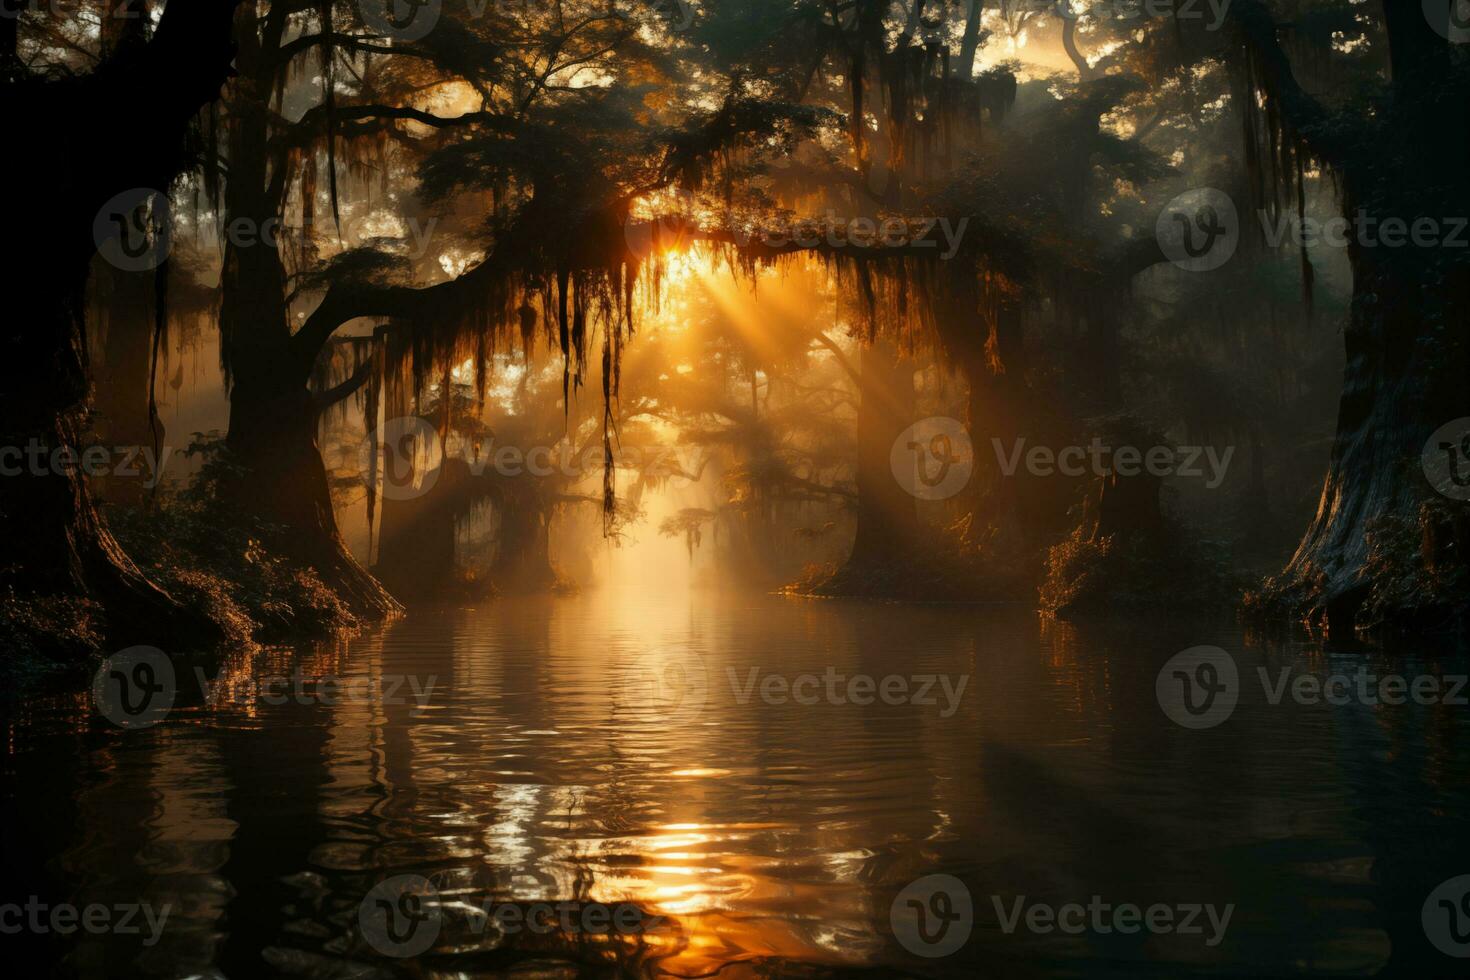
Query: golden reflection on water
{"type": "Point", "coordinates": [561, 757]}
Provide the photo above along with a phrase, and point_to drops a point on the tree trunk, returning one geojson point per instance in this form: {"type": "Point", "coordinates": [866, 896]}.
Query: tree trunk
{"type": "Point", "coordinates": [1404, 378]}
{"type": "Point", "coordinates": [273, 415]}
{"type": "Point", "coordinates": [887, 512]}
{"type": "Point", "coordinates": [126, 303]}
{"type": "Point", "coordinates": [996, 375]}
{"type": "Point", "coordinates": [273, 427]}
{"type": "Point", "coordinates": [523, 544]}
{"type": "Point", "coordinates": [55, 541]}
{"type": "Point", "coordinates": [416, 535]}
{"type": "Point", "coordinates": [1405, 342]}
{"type": "Point", "coordinates": [970, 42]}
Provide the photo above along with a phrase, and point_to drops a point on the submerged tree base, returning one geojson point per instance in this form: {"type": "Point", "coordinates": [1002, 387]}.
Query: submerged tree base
{"type": "Point", "coordinates": [243, 573]}
{"type": "Point", "coordinates": [937, 577]}
{"type": "Point", "coordinates": [235, 575]}
{"type": "Point", "coordinates": [1415, 581]}
{"type": "Point", "coordinates": [1102, 574]}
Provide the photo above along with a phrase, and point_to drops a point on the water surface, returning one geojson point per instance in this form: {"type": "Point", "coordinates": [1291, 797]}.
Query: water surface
{"type": "Point", "coordinates": [616, 748]}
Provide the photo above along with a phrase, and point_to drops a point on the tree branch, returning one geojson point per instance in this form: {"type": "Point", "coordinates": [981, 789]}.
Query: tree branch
{"type": "Point", "coordinates": [326, 399]}
{"type": "Point", "coordinates": [1305, 116]}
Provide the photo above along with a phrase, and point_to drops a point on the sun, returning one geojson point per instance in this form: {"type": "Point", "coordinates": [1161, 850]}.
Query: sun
{"type": "Point", "coordinates": [678, 267]}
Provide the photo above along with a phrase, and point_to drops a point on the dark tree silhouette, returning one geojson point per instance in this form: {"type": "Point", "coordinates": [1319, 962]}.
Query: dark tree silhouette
{"type": "Point", "coordinates": [119, 128]}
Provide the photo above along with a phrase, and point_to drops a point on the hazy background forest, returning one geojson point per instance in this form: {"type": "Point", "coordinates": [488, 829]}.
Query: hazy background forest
{"type": "Point", "coordinates": [757, 243]}
{"type": "Point", "coordinates": [571, 336]}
